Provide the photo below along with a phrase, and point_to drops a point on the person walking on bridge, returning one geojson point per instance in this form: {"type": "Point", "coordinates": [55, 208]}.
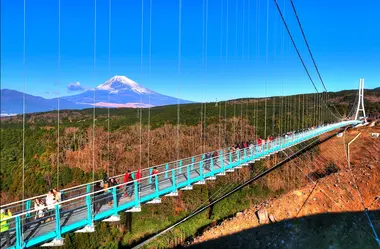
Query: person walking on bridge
{"type": "Point", "coordinates": [154, 175]}
{"type": "Point", "coordinates": [112, 183]}
{"type": "Point", "coordinates": [259, 144]}
{"type": "Point", "coordinates": [138, 175]}
{"type": "Point", "coordinates": [269, 141]}
{"type": "Point", "coordinates": [50, 203]}
{"type": "Point", "coordinates": [138, 178]}
{"type": "Point", "coordinates": [129, 186]}
{"type": "Point", "coordinates": [57, 195]}
{"type": "Point", "coordinates": [4, 227]}
{"type": "Point", "coordinates": [98, 198]}
{"type": "Point", "coordinates": [39, 207]}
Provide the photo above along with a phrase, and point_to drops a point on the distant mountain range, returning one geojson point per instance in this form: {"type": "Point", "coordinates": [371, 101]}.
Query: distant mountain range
{"type": "Point", "coordinates": [119, 91]}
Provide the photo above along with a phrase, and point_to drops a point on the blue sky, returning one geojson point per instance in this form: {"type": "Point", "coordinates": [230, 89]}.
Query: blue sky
{"type": "Point", "coordinates": [344, 37]}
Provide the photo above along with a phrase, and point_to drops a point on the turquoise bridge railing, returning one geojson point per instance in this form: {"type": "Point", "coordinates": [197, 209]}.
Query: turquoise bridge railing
{"type": "Point", "coordinates": [85, 204]}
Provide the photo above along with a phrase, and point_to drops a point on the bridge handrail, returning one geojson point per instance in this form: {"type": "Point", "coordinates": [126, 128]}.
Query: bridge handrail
{"type": "Point", "coordinates": [92, 183]}
{"type": "Point", "coordinates": [116, 186]}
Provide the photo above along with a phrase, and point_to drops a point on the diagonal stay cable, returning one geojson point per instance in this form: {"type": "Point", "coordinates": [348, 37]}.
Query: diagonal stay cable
{"type": "Point", "coordinates": [295, 46]}
{"type": "Point", "coordinates": [308, 47]}
{"type": "Point", "coordinates": [298, 52]}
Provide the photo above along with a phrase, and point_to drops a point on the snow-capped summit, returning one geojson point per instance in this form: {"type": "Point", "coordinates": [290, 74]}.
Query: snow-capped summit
{"type": "Point", "coordinates": [122, 83]}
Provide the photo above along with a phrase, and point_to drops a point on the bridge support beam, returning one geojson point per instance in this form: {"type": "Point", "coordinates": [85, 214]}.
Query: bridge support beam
{"type": "Point", "coordinates": [86, 229]}
{"type": "Point", "coordinates": [155, 201]}
{"type": "Point", "coordinates": [54, 243]}
{"type": "Point", "coordinates": [175, 193]}
{"type": "Point", "coordinates": [187, 188]}
{"type": "Point", "coordinates": [128, 221]}
{"type": "Point", "coordinates": [202, 182]}
{"type": "Point", "coordinates": [136, 209]}
{"type": "Point", "coordinates": [112, 218]}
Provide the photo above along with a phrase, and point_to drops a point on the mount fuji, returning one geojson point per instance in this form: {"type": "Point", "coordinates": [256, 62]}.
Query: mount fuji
{"type": "Point", "coordinates": [119, 91]}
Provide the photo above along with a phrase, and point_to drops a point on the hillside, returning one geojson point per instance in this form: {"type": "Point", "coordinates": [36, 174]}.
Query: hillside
{"type": "Point", "coordinates": [203, 127]}
{"type": "Point", "coordinates": [326, 213]}
{"type": "Point", "coordinates": [190, 112]}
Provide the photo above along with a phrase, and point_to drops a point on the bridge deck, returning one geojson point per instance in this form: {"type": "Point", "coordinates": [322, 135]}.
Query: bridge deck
{"type": "Point", "coordinates": [83, 206]}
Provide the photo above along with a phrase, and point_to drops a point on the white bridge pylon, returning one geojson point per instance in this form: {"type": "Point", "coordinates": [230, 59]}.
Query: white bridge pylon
{"type": "Point", "coordinates": [361, 101]}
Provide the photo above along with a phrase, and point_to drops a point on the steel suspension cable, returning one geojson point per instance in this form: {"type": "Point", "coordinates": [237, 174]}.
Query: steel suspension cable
{"type": "Point", "coordinates": [247, 121]}
{"type": "Point", "coordinates": [234, 122]}
{"type": "Point", "coordinates": [221, 61]}
{"type": "Point", "coordinates": [242, 58]}
{"type": "Point", "coordinates": [205, 127]}
{"type": "Point", "coordinates": [235, 55]}
{"type": "Point", "coordinates": [203, 73]}
{"type": "Point", "coordinates": [275, 67]}
{"type": "Point", "coordinates": [303, 111]}
{"type": "Point", "coordinates": [296, 48]}
{"type": "Point", "coordinates": [219, 128]}
{"type": "Point", "coordinates": [205, 70]}
{"type": "Point", "coordinates": [109, 73]}
{"type": "Point", "coordinates": [282, 84]}
{"type": "Point", "coordinates": [307, 45]}
{"type": "Point", "coordinates": [294, 44]}
{"type": "Point", "coordinates": [179, 71]}
{"type": "Point", "coordinates": [248, 58]}
{"type": "Point", "coordinates": [225, 124]}
{"type": "Point", "coordinates": [23, 112]}
{"type": "Point", "coordinates": [299, 111]}
{"type": "Point", "coordinates": [266, 78]}
{"type": "Point", "coordinates": [58, 83]}
{"type": "Point", "coordinates": [150, 75]}
{"type": "Point", "coordinates": [257, 29]}
{"type": "Point", "coordinates": [141, 72]}
{"type": "Point", "coordinates": [93, 111]}
{"type": "Point", "coordinates": [241, 120]}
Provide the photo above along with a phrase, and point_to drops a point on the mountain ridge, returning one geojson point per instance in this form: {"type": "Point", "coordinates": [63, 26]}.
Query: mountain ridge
{"type": "Point", "coordinates": [117, 92]}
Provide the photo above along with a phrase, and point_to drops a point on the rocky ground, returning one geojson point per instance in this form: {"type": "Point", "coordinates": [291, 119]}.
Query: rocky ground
{"type": "Point", "coordinates": [326, 213]}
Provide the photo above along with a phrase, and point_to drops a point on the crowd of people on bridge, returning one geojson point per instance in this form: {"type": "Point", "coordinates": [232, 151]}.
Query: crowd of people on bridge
{"type": "Point", "coordinates": [42, 208]}
{"type": "Point", "coordinates": [126, 190]}
{"type": "Point", "coordinates": [47, 207]}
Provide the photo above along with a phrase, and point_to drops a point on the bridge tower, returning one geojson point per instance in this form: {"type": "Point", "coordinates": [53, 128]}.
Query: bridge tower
{"type": "Point", "coordinates": [360, 101]}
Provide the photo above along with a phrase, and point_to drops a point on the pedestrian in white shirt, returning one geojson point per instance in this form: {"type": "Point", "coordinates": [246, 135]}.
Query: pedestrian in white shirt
{"type": "Point", "coordinates": [50, 203]}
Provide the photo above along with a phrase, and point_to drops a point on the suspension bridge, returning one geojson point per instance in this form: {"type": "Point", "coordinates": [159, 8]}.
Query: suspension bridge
{"type": "Point", "coordinates": [84, 205]}
{"type": "Point", "coordinates": [76, 212]}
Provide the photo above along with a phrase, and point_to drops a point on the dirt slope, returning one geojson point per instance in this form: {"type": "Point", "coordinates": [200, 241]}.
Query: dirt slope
{"type": "Point", "coordinates": [327, 213]}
